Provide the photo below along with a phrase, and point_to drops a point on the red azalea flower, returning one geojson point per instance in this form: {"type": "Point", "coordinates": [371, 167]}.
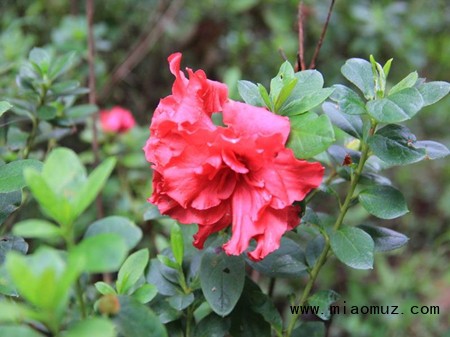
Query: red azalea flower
{"type": "Point", "coordinates": [240, 175]}
{"type": "Point", "coordinates": [116, 120]}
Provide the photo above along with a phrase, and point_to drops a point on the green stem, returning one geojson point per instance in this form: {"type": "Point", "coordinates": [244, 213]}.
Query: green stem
{"type": "Point", "coordinates": [31, 137]}
{"type": "Point", "coordinates": [343, 211]}
{"type": "Point", "coordinates": [70, 242]}
{"type": "Point", "coordinates": [189, 317]}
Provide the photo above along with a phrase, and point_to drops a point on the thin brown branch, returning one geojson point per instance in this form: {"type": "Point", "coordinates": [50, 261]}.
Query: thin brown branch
{"type": "Point", "coordinates": [92, 93]}
{"type": "Point", "coordinates": [301, 39]}
{"type": "Point", "coordinates": [312, 65]}
{"type": "Point", "coordinates": [144, 44]}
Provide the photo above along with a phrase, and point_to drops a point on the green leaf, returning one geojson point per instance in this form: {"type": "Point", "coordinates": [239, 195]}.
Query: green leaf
{"type": "Point", "coordinates": [52, 204]}
{"type": "Point", "coordinates": [88, 192]}
{"type": "Point", "coordinates": [265, 96]}
{"type": "Point", "coordinates": [46, 112]}
{"type": "Point", "coordinates": [310, 329]}
{"type": "Point", "coordinates": [165, 260]}
{"type": "Point", "coordinates": [145, 293]}
{"type": "Point", "coordinates": [352, 125]}
{"type": "Point", "coordinates": [181, 301]}
{"type": "Point", "coordinates": [11, 243]}
{"type": "Point", "coordinates": [101, 253]}
{"type": "Point", "coordinates": [16, 139]}
{"type": "Point", "coordinates": [4, 106]}
{"type": "Point", "coordinates": [250, 93]}
{"type": "Point", "coordinates": [387, 67]}
{"type": "Point", "coordinates": [212, 326]}
{"type": "Point", "coordinates": [41, 58]}
{"type": "Point", "coordinates": [98, 327]}
{"type": "Point", "coordinates": [104, 288]}
{"type": "Point", "coordinates": [385, 239]}
{"type": "Point", "coordinates": [11, 175]}
{"type": "Point", "coordinates": [126, 229]}
{"type": "Point", "coordinates": [156, 276]}
{"type": "Point", "coordinates": [81, 111]}
{"type": "Point", "coordinates": [314, 249]}
{"type": "Point", "coordinates": [384, 202]}
{"type": "Point", "coordinates": [64, 172]}
{"type": "Point", "coordinates": [136, 320]}
{"type": "Point", "coordinates": [353, 246]}
{"type": "Point", "coordinates": [263, 305]}
{"type": "Point", "coordinates": [13, 312]}
{"type": "Point", "coordinates": [309, 82]}
{"type": "Point", "coordinates": [396, 145]}
{"type": "Point", "coordinates": [407, 82]}
{"type": "Point", "coordinates": [306, 103]}
{"type": "Point", "coordinates": [18, 331]}
{"type": "Point", "coordinates": [348, 101]}
{"type": "Point", "coordinates": [176, 243]}
{"type": "Point", "coordinates": [222, 279]}
{"type": "Point", "coordinates": [286, 90]}
{"type": "Point", "coordinates": [433, 150]}
{"type": "Point", "coordinates": [61, 65]}
{"type": "Point", "coordinates": [286, 261]}
{"type": "Point", "coordinates": [36, 229]}
{"type": "Point", "coordinates": [131, 270]}
{"type": "Point", "coordinates": [359, 72]}
{"type": "Point", "coordinates": [395, 108]}
{"type": "Point", "coordinates": [433, 92]}
{"type": "Point", "coordinates": [65, 88]}
{"type": "Point", "coordinates": [310, 135]}
{"type": "Point", "coordinates": [9, 202]}
{"type": "Point", "coordinates": [323, 299]}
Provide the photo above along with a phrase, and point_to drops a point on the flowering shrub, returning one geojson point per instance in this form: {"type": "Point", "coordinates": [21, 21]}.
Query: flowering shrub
{"type": "Point", "coordinates": [241, 174]}
{"type": "Point", "coordinates": [253, 179]}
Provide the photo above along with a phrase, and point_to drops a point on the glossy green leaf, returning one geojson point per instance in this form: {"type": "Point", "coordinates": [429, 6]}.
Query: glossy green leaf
{"type": "Point", "coordinates": [156, 276]}
{"type": "Point", "coordinates": [323, 299]}
{"type": "Point", "coordinates": [353, 246]}
{"type": "Point", "coordinates": [395, 108]}
{"type": "Point", "coordinates": [4, 106]}
{"type": "Point", "coordinates": [9, 202]}
{"type": "Point", "coordinates": [131, 270]}
{"type": "Point", "coordinates": [348, 101]}
{"type": "Point", "coordinates": [101, 253]}
{"type": "Point", "coordinates": [52, 204]}
{"type": "Point", "coordinates": [136, 320]}
{"type": "Point", "coordinates": [122, 226]}
{"type": "Point", "coordinates": [396, 145]}
{"type": "Point", "coordinates": [104, 288]}
{"type": "Point", "coordinates": [222, 279]}
{"type": "Point", "coordinates": [306, 103]}
{"type": "Point", "coordinates": [98, 327]}
{"type": "Point", "coordinates": [12, 177]}
{"type": "Point", "coordinates": [384, 202]}
{"type": "Point", "coordinates": [145, 293]}
{"type": "Point", "coordinates": [262, 304]}
{"type": "Point", "coordinates": [212, 326]}
{"type": "Point", "coordinates": [310, 134]}
{"type": "Point", "coordinates": [181, 301]}
{"type": "Point", "coordinates": [250, 93]}
{"type": "Point", "coordinates": [350, 124]}
{"type": "Point", "coordinates": [176, 243]}
{"type": "Point", "coordinates": [407, 82]}
{"type": "Point", "coordinates": [265, 97]}
{"type": "Point", "coordinates": [95, 182]}
{"type": "Point", "coordinates": [433, 92]}
{"type": "Point", "coordinates": [359, 72]}
{"type": "Point", "coordinates": [13, 312]}
{"type": "Point", "coordinates": [314, 249]}
{"type": "Point", "coordinates": [286, 261]}
{"type": "Point", "coordinates": [65, 88]}
{"type": "Point", "coordinates": [36, 229]}
{"type": "Point", "coordinates": [385, 239]}
{"type": "Point", "coordinates": [433, 150]}
{"type": "Point", "coordinates": [46, 112]}
{"type": "Point", "coordinates": [284, 77]}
